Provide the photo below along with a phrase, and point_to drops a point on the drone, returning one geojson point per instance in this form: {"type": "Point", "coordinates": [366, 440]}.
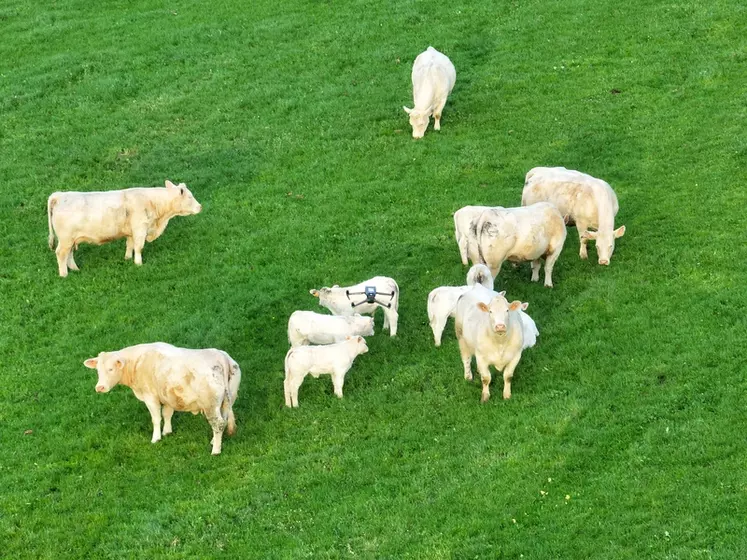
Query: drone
{"type": "Point", "coordinates": [370, 293]}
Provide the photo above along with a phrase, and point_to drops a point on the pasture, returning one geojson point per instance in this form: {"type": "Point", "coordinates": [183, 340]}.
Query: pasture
{"type": "Point", "coordinates": [624, 437]}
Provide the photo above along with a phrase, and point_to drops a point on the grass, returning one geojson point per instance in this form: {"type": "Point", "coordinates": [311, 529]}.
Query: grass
{"type": "Point", "coordinates": [625, 434]}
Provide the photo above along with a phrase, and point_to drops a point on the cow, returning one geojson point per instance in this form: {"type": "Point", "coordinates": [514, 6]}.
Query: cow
{"type": "Point", "coordinates": [442, 301]}
{"type": "Point", "coordinates": [333, 359]}
{"type": "Point", "coordinates": [340, 301]}
{"type": "Point", "coordinates": [584, 200]}
{"type": "Point", "coordinates": [170, 378]}
{"type": "Point", "coordinates": [138, 214]}
{"type": "Point", "coordinates": [489, 328]}
{"type": "Point", "coordinates": [465, 223]}
{"type": "Point", "coordinates": [307, 327]}
{"type": "Point", "coordinates": [522, 234]}
{"type": "Point", "coordinates": [433, 78]}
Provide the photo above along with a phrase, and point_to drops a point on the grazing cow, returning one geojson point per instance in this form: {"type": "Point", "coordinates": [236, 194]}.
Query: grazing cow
{"type": "Point", "coordinates": [522, 234]}
{"type": "Point", "coordinates": [139, 214]}
{"type": "Point", "coordinates": [465, 223]}
{"type": "Point", "coordinates": [340, 300]}
{"type": "Point", "coordinates": [162, 375]}
{"type": "Point", "coordinates": [491, 329]}
{"type": "Point", "coordinates": [442, 301]}
{"type": "Point", "coordinates": [433, 78]}
{"type": "Point", "coordinates": [587, 202]}
{"type": "Point", "coordinates": [307, 327]}
{"type": "Point", "coordinates": [333, 359]}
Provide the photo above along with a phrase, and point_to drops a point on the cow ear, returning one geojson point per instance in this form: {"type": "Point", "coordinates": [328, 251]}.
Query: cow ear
{"type": "Point", "coordinates": [589, 235]}
{"type": "Point", "coordinates": [514, 306]}
{"type": "Point", "coordinates": [91, 363]}
{"type": "Point", "coordinates": [360, 339]}
{"type": "Point", "coordinates": [482, 307]}
{"type": "Point", "coordinates": [169, 184]}
{"type": "Point", "coordinates": [502, 294]}
{"type": "Point", "coordinates": [348, 338]}
{"type": "Point", "coordinates": [524, 305]}
{"type": "Point", "coordinates": [408, 111]}
{"type": "Point", "coordinates": [619, 232]}
{"type": "Point", "coordinates": [183, 185]}
{"type": "Point", "coordinates": [119, 364]}
{"type": "Point", "coordinates": [314, 293]}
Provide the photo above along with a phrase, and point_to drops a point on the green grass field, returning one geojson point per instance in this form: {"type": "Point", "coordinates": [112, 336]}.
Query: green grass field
{"type": "Point", "coordinates": [625, 436]}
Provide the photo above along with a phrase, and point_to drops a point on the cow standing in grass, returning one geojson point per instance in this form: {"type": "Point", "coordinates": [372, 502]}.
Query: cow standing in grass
{"type": "Point", "coordinates": [139, 215]}
{"type": "Point", "coordinates": [586, 201]}
{"type": "Point", "coordinates": [169, 378]}
{"type": "Point", "coordinates": [307, 327]}
{"type": "Point", "coordinates": [433, 78]}
{"type": "Point", "coordinates": [489, 328]}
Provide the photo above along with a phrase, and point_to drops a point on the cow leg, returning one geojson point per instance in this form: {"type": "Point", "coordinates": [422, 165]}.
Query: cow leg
{"type": "Point", "coordinates": [292, 384]}
{"type": "Point", "coordinates": [218, 425]}
{"type": "Point", "coordinates": [63, 252]}
{"type": "Point", "coordinates": [338, 380]}
{"type": "Point", "coordinates": [71, 261]}
{"type": "Point", "coordinates": [549, 264]}
{"type": "Point", "coordinates": [390, 317]}
{"type": "Point", "coordinates": [129, 248]}
{"type": "Point", "coordinates": [168, 412]}
{"type": "Point", "coordinates": [154, 407]}
{"type": "Point", "coordinates": [463, 243]}
{"type": "Point", "coordinates": [536, 270]}
{"type": "Point", "coordinates": [466, 359]}
{"type": "Point", "coordinates": [583, 253]}
{"type": "Point", "coordinates": [437, 325]}
{"type": "Point", "coordinates": [138, 240]}
{"type": "Point", "coordinates": [508, 374]}
{"type": "Point", "coordinates": [484, 368]}
{"type": "Point", "coordinates": [437, 115]}
{"type": "Point", "coordinates": [231, 428]}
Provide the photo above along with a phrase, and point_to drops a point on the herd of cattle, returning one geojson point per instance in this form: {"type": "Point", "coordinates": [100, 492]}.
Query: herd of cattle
{"type": "Point", "coordinates": [488, 327]}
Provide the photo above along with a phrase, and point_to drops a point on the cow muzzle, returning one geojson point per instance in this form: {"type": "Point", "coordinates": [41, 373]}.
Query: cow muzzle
{"type": "Point", "coordinates": [604, 262]}
{"type": "Point", "coordinates": [501, 328]}
{"type": "Point", "coordinates": [100, 389]}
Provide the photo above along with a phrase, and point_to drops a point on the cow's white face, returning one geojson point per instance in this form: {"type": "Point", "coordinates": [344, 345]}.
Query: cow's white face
{"type": "Point", "coordinates": [334, 300]}
{"type": "Point", "coordinates": [605, 242]}
{"type": "Point", "coordinates": [360, 344]}
{"type": "Point", "coordinates": [364, 325]}
{"type": "Point", "coordinates": [185, 203]}
{"type": "Point", "coordinates": [497, 311]}
{"type": "Point", "coordinates": [109, 367]}
{"type": "Point", "coordinates": [418, 121]}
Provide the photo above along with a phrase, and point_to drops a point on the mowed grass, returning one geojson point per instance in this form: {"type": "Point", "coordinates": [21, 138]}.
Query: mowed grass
{"type": "Point", "coordinates": [625, 436]}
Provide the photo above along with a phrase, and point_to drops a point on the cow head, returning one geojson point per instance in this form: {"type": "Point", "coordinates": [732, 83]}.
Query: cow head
{"type": "Point", "coordinates": [333, 299]}
{"type": "Point", "coordinates": [605, 242]}
{"type": "Point", "coordinates": [418, 121]}
{"type": "Point", "coordinates": [497, 310]}
{"type": "Point", "coordinates": [359, 342]}
{"type": "Point", "coordinates": [184, 202]}
{"type": "Point", "coordinates": [364, 325]}
{"type": "Point", "coordinates": [110, 367]}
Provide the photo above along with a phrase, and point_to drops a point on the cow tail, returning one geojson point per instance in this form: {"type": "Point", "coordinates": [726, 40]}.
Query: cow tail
{"type": "Point", "coordinates": [51, 203]}
{"type": "Point", "coordinates": [396, 296]}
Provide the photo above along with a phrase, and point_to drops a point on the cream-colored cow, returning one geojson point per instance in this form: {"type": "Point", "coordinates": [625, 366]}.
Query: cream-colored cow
{"type": "Point", "coordinates": [522, 234]}
{"type": "Point", "coordinates": [433, 78]}
{"type": "Point", "coordinates": [585, 200]}
{"type": "Point", "coordinates": [139, 215]}
{"type": "Point", "coordinates": [169, 378]}
{"type": "Point", "coordinates": [307, 327]}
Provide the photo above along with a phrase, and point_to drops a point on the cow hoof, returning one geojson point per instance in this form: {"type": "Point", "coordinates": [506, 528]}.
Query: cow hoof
{"type": "Point", "coordinates": [548, 285]}
{"type": "Point", "coordinates": [484, 399]}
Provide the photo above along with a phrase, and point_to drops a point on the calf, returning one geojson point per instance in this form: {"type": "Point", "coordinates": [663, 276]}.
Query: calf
{"type": "Point", "coordinates": [588, 202]}
{"type": "Point", "coordinates": [442, 301]}
{"type": "Point", "coordinates": [489, 328]}
{"type": "Point", "coordinates": [139, 214]}
{"type": "Point", "coordinates": [334, 359]}
{"type": "Point", "coordinates": [307, 327]}
{"type": "Point", "coordinates": [465, 224]}
{"type": "Point", "coordinates": [169, 378]}
{"type": "Point", "coordinates": [522, 234]}
{"type": "Point", "coordinates": [340, 300]}
{"type": "Point", "coordinates": [433, 78]}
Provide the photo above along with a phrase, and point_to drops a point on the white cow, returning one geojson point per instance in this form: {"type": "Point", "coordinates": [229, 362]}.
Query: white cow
{"type": "Point", "coordinates": [586, 201]}
{"type": "Point", "coordinates": [340, 300]}
{"type": "Point", "coordinates": [442, 301]}
{"type": "Point", "coordinates": [491, 329]}
{"type": "Point", "coordinates": [307, 327]}
{"type": "Point", "coordinates": [465, 224]}
{"type": "Point", "coordinates": [139, 214]}
{"type": "Point", "coordinates": [333, 359]}
{"type": "Point", "coordinates": [433, 78]}
{"type": "Point", "coordinates": [522, 234]}
{"type": "Point", "coordinates": [161, 375]}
